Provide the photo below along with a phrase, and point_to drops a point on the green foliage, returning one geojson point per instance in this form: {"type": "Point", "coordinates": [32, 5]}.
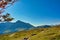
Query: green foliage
{"type": "Point", "coordinates": [6, 17]}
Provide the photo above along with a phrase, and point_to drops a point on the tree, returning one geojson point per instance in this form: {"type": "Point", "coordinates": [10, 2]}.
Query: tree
{"type": "Point", "coordinates": [6, 17]}
{"type": "Point", "coordinates": [3, 5]}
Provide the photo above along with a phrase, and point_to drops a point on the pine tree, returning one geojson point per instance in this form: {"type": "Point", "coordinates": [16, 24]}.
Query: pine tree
{"type": "Point", "coordinates": [7, 17]}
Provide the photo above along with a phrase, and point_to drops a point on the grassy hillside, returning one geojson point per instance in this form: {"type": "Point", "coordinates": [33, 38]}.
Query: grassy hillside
{"type": "Point", "coordinates": [52, 33]}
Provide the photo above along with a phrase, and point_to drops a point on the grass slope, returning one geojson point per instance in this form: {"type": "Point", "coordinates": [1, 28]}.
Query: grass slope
{"type": "Point", "coordinates": [52, 33]}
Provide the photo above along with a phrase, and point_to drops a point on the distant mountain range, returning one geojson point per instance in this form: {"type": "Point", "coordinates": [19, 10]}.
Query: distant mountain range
{"type": "Point", "coordinates": [44, 26]}
{"type": "Point", "coordinates": [13, 27]}
{"type": "Point", "coordinates": [10, 27]}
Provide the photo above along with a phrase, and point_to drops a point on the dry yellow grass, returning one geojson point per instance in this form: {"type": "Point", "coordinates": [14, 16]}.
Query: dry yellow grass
{"type": "Point", "coordinates": [52, 33]}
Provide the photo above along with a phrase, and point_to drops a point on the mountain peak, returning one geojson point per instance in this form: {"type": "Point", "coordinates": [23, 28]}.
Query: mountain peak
{"type": "Point", "coordinates": [18, 21]}
{"type": "Point", "coordinates": [13, 26]}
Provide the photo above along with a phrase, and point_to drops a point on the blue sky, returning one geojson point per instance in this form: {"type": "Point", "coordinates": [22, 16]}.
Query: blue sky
{"type": "Point", "coordinates": [36, 12]}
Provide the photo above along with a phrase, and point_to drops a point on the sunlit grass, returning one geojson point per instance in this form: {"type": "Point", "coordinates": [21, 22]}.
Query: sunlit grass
{"type": "Point", "coordinates": [52, 33]}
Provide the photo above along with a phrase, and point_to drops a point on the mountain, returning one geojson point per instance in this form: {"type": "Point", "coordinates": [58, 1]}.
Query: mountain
{"type": "Point", "coordinates": [44, 26]}
{"type": "Point", "coordinates": [50, 33]}
{"type": "Point", "coordinates": [13, 27]}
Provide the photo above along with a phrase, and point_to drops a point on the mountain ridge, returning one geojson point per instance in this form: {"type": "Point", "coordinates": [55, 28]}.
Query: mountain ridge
{"type": "Point", "coordinates": [13, 26]}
